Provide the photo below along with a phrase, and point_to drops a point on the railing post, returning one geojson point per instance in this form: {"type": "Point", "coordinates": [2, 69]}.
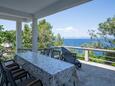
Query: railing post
{"type": "Point", "coordinates": [86, 55]}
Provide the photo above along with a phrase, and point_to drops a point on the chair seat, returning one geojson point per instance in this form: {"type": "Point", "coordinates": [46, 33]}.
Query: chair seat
{"type": "Point", "coordinates": [18, 70]}
{"type": "Point", "coordinates": [30, 82]}
{"type": "Point", "coordinates": [12, 64]}
{"type": "Point", "coordinates": [20, 74]}
{"type": "Point", "coordinates": [35, 83]}
{"type": "Point", "coordinates": [13, 68]}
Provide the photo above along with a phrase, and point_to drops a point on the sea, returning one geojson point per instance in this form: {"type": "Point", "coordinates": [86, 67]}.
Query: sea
{"type": "Point", "coordinates": [79, 42]}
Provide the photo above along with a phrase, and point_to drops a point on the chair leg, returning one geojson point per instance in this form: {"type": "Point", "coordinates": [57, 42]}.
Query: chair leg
{"type": "Point", "coordinates": [26, 77]}
{"type": "Point", "coordinates": [6, 83]}
{"type": "Point", "coordinates": [2, 83]}
{"type": "Point", "coordinates": [29, 75]}
{"type": "Point", "coordinates": [21, 80]}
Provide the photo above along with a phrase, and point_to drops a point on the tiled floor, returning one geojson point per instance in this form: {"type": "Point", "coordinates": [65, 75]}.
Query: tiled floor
{"type": "Point", "coordinates": [93, 74]}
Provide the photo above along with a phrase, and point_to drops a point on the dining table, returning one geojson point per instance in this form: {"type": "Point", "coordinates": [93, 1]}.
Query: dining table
{"type": "Point", "coordinates": [52, 72]}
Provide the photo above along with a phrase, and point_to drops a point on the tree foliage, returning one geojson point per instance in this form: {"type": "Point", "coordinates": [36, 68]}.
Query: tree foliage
{"type": "Point", "coordinates": [1, 33]}
{"type": "Point", "coordinates": [7, 36]}
{"type": "Point", "coordinates": [45, 34]}
{"type": "Point", "coordinates": [58, 40]}
{"type": "Point", "coordinates": [46, 37]}
{"type": "Point", "coordinates": [1, 27]}
{"type": "Point", "coordinates": [105, 34]}
{"type": "Point", "coordinates": [27, 36]}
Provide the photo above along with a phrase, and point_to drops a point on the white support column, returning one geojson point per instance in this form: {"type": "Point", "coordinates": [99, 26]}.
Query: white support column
{"type": "Point", "coordinates": [86, 55]}
{"type": "Point", "coordinates": [18, 35]}
{"type": "Point", "coordinates": [34, 35]}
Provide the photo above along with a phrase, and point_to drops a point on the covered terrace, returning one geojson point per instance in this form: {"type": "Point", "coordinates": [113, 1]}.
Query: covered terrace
{"type": "Point", "coordinates": [31, 11]}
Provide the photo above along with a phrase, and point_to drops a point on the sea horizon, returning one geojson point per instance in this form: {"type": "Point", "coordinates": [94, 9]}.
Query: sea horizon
{"type": "Point", "coordinates": [77, 41]}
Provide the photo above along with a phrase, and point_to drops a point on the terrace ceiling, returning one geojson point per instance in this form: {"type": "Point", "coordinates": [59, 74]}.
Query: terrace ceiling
{"type": "Point", "coordinates": [26, 9]}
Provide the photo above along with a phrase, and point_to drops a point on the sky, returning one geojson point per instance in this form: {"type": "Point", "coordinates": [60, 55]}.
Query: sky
{"type": "Point", "coordinates": [75, 22]}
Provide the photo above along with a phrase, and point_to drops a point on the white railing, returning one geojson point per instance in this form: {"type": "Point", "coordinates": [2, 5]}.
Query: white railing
{"type": "Point", "coordinates": [86, 53]}
{"type": "Point", "coordinates": [24, 49]}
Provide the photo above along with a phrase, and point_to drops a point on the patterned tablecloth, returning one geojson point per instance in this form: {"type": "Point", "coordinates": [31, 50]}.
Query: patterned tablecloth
{"type": "Point", "coordinates": [51, 71]}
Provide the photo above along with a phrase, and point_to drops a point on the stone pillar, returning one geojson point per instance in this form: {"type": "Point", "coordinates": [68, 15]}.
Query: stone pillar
{"type": "Point", "coordinates": [34, 35]}
{"type": "Point", "coordinates": [18, 35]}
{"type": "Point", "coordinates": [86, 55]}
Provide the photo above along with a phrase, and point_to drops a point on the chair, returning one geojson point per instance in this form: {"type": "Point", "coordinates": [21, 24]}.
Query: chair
{"type": "Point", "coordinates": [35, 83]}
{"type": "Point", "coordinates": [56, 54]}
{"type": "Point", "coordinates": [3, 76]}
{"type": "Point", "coordinates": [13, 82]}
{"type": "Point", "coordinates": [46, 51]}
{"type": "Point", "coordinates": [17, 72]}
{"type": "Point", "coordinates": [13, 66]}
{"type": "Point", "coordinates": [70, 57]}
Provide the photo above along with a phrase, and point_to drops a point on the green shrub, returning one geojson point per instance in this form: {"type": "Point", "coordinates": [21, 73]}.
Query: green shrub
{"type": "Point", "coordinates": [113, 64]}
